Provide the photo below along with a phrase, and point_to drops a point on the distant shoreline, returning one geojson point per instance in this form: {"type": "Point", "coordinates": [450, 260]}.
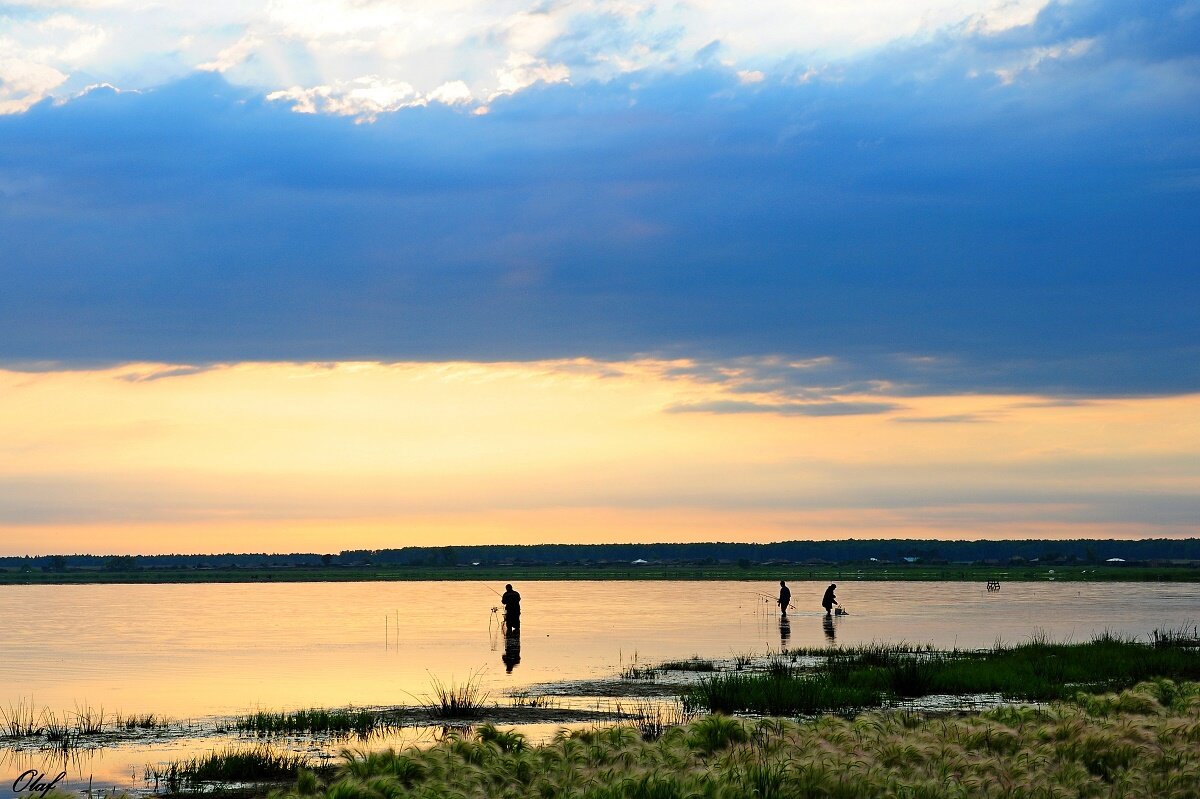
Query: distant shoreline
{"type": "Point", "coordinates": [501, 574]}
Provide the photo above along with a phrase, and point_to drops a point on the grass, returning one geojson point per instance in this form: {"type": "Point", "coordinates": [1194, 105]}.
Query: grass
{"type": "Point", "coordinates": [694, 663]}
{"type": "Point", "coordinates": [533, 701]}
{"type": "Point", "coordinates": [652, 719]}
{"type": "Point", "coordinates": [465, 700]}
{"type": "Point", "coordinates": [19, 720]}
{"type": "Point", "coordinates": [336, 722]}
{"type": "Point", "coordinates": [635, 672]}
{"type": "Point", "coordinates": [233, 765]}
{"type": "Point", "coordinates": [146, 721]}
{"type": "Point", "coordinates": [867, 676]}
{"type": "Point", "coordinates": [1141, 742]}
{"type": "Point", "coordinates": [777, 696]}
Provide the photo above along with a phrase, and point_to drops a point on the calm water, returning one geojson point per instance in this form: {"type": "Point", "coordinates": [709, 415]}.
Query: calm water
{"type": "Point", "coordinates": [189, 651]}
{"type": "Point", "coordinates": [193, 650]}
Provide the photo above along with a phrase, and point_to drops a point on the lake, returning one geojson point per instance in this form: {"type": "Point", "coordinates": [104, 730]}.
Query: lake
{"type": "Point", "coordinates": [196, 651]}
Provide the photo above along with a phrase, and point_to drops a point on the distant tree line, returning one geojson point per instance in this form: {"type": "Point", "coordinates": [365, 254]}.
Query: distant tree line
{"type": "Point", "coordinates": [848, 551]}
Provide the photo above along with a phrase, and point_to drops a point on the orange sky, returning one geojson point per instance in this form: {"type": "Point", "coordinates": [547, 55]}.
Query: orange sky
{"type": "Point", "coordinates": [320, 457]}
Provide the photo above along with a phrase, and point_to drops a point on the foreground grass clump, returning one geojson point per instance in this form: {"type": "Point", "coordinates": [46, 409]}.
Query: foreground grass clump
{"type": "Point", "coordinates": [465, 700]}
{"type": "Point", "coordinates": [852, 679]}
{"type": "Point", "coordinates": [1143, 742]}
{"type": "Point", "coordinates": [234, 765]}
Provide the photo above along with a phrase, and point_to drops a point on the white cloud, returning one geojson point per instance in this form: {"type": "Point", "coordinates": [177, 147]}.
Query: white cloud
{"type": "Point", "coordinates": [365, 97]}
{"type": "Point", "coordinates": [447, 50]}
{"type": "Point", "coordinates": [23, 83]}
{"type": "Point", "coordinates": [453, 93]}
{"type": "Point", "coordinates": [522, 70]}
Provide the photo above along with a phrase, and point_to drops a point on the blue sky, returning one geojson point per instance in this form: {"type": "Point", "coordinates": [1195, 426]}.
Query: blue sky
{"type": "Point", "coordinates": [353, 273]}
{"type": "Point", "coordinates": [970, 206]}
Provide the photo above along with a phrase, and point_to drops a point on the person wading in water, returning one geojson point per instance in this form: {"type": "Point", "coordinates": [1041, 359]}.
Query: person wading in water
{"type": "Point", "coordinates": [512, 610]}
{"type": "Point", "coordinates": [829, 600]}
{"type": "Point", "coordinates": [785, 597]}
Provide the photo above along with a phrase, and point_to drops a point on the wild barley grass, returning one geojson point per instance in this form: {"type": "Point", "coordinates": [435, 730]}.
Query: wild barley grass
{"type": "Point", "coordinates": [1127, 744]}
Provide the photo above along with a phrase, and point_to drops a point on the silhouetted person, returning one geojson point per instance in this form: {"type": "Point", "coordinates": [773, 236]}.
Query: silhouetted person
{"type": "Point", "coordinates": [829, 600]}
{"type": "Point", "coordinates": [512, 651]}
{"type": "Point", "coordinates": [785, 597]}
{"type": "Point", "coordinates": [512, 610]}
{"type": "Point", "coordinates": [785, 630]}
{"type": "Point", "coordinates": [827, 626]}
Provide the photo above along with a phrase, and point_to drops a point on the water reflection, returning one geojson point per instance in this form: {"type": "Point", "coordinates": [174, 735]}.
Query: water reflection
{"type": "Point", "coordinates": [827, 627]}
{"type": "Point", "coordinates": [512, 651]}
{"type": "Point", "coordinates": [785, 631]}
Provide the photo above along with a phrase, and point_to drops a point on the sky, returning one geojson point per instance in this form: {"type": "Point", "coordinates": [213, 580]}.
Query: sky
{"type": "Point", "coordinates": [333, 274]}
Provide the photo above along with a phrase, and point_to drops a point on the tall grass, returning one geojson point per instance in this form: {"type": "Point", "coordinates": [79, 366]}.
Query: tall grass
{"type": "Point", "coordinates": [19, 720]}
{"type": "Point", "coordinates": [1067, 749]}
{"type": "Point", "coordinates": [451, 700]}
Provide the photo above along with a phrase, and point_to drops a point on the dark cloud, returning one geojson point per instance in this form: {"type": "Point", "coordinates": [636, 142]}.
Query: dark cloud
{"type": "Point", "coordinates": [912, 215]}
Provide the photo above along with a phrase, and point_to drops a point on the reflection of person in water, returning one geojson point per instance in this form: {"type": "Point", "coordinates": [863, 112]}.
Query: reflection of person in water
{"type": "Point", "coordinates": [512, 610]}
{"type": "Point", "coordinates": [512, 651]}
{"type": "Point", "coordinates": [827, 626]}
{"type": "Point", "coordinates": [785, 630]}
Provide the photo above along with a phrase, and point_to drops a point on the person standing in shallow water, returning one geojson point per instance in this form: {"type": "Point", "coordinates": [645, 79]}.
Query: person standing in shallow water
{"type": "Point", "coordinates": [512, 610]}
{"type": "Point", "coordinates": [829, 600]}
{"type": "Point", "coordinates": [785, 597]}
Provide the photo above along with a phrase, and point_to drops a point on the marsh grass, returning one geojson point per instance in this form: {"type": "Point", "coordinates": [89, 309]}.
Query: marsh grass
{"type": "Point", "coordinates": [345, 721]}
{"type": "Point", "coordinates": [1183, 635]}
{"type": "Point", "coordinates": [19, 720]}
{"type": "Point", "coordinates": [89, 721]}
{"type": "Point", "coordinates": [694, 663]}
{"type": "Point", "coordinates": [534, 701]}
{"type": "Point", "coordinates": [768, 694]}
{"type": "Point", "coordinates": [232, 765]}
{"type": "Point", "coordinates": [652, 719]}
{"type": "Point", "coordinates": [1137, 746]}
{"type": "Point", "coordinates": [145, 721]}
{"type": "Point", "coordinates": [451, 700]}
{"type": "Point", "coordinates": [635, 672]}
{"type": "Point", "coordinates": [852, 679]}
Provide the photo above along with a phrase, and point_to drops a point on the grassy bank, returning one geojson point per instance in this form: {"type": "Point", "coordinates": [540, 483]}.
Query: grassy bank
{"type": "Point", "coordinates": [502, 574]}
{"type": "Point", "coordinates": [1143, 742]}
{"type": "Point", "coordinates": [864, 677]}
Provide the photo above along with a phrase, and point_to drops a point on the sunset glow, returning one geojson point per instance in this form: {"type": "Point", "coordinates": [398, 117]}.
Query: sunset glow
{"type": "Point", "coordinates": [310, 457]}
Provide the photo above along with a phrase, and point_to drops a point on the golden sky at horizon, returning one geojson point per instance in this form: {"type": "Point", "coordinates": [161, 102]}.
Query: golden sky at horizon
{"type": "Point", "coordinates": [147, 458]}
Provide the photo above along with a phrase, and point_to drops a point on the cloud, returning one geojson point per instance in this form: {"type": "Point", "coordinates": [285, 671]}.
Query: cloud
{"type": "Point", "coordinates": [905, 215]}
{"type": "Point", "coordinates": [953, 418]}
{"type": "Point", "coordinates": [845, 408]}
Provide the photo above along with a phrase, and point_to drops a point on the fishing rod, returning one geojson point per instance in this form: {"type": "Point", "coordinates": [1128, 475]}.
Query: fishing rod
{"type": "Point", "coordinates": [775, 600]}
